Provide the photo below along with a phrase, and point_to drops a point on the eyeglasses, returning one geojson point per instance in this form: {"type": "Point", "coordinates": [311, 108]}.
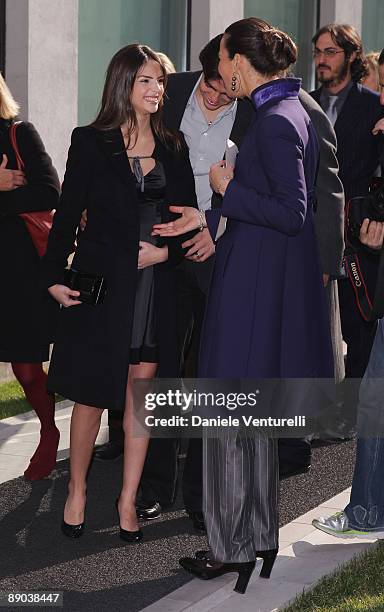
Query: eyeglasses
{"type": "Point", "coordinates": [326, 52]}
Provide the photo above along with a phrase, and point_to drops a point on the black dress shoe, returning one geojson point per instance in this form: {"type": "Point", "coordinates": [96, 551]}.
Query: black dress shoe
{"type": "Point", "coordinates": [147, 512]}
{"type": "Point", "coordinates": [128, 536]}
{"type": "Point", "coordinates": [197, 519]}
{"type": "Point", "coordinates": [72, 531]}
{"type": "Point", "coordinates": [109, 451]}
{"type": "Point", "coordinates": [286, 471]}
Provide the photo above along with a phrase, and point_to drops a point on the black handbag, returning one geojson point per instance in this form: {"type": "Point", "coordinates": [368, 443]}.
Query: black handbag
{"type": "Point", "coordinates": [91, 286]}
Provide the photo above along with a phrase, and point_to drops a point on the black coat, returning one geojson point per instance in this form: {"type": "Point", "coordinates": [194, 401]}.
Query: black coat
{"type": "Point", "coordinates": [91, 355]}
{"type": "Point", "coordinates": [359, 152]}
{"type": "Point", "coordinates": [27, 315]}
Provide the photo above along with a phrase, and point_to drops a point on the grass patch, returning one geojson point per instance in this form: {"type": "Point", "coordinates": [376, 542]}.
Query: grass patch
{"type": "Point", "coordinates": [12, 400]}
{"type": "Point", "coordinates": [358, 585]}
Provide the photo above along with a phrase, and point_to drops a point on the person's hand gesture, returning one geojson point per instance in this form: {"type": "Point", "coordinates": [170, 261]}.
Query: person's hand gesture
{"type": "Point", "coordinates": [64, 295]}
{"type": "Point", "coordinates": [372, 234]}
{"type": "Point", "coordinates": [201, 246]}
{"type": "Point", "coordinates": [379, 127]}
{"type": "Point", "coordinates": [149, 255]}
{"type": "Point", "coordinates": [10, 179]}
{"type": "Point", "coordinates": [189, 220]}
{"type": "Point", "coordinates": [220, 175]}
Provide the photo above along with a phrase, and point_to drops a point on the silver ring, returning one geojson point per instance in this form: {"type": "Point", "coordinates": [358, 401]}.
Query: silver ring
{"type": "Point", "coordinates": [197, 254]}
{"type": "Point", "coordinates": [226, 177]}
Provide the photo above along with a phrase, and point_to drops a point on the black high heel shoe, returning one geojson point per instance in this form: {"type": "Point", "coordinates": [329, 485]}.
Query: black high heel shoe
{"type": "Point", "coordinates": [206, 569]}
{"type": "Point", "coordinates": [72, 531]}
{"type": "Point", "coordinates": [128, 536]}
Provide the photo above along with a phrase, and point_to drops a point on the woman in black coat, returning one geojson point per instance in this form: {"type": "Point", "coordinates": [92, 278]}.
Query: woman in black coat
{"type": "Point", "coordinates": [124, 169]}
{"type": "Point", "coordinates": [26, 314]}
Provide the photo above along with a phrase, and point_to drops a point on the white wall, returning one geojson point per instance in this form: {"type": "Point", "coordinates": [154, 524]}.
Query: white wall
{"type": "Point", "coordinates": [41, 68]}
{"type": "Point", "coordinates": [341, 11]}
{"type": "Point", "coordinates": [209, 18]}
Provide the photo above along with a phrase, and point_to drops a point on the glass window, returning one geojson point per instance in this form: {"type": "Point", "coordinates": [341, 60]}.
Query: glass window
{"type": "Point", "coordinates": [373, 25]}
{"type": "Point", "coordinates": [104, 27]}
{"type": "Point", "coordinates": [296, 17]}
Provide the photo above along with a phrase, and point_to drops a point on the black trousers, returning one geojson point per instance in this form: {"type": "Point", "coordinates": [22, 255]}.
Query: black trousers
{"type": "Point", "coordinates": [161, 469]}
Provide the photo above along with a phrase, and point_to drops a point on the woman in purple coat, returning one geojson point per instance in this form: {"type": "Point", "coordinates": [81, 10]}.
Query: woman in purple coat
{"type": "Point", "coordinates": [266, 315]}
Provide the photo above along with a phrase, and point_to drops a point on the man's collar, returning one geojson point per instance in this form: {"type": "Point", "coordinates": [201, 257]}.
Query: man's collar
{"type": "Point", "coordinates": [342, 93]}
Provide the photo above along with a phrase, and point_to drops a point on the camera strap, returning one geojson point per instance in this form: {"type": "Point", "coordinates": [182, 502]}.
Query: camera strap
{"type": "Point", "coordinates": [355, 275]}
{"type": "Point", "coordinates": [371, 307]}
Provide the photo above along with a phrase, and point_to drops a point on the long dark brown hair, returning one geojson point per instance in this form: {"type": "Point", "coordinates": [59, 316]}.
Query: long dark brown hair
{"type": "Point", "coordinates": [116, 107]}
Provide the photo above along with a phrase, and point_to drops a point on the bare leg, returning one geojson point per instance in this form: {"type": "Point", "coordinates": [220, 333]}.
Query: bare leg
{"type": "Point", "coordinates": [85, 425]}
{"type": "Point", "coordinates": [135, 450]}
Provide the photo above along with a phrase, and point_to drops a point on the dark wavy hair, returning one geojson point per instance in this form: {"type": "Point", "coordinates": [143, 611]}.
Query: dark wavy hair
{"type": "Point", "coordinates": [347, 37]}
{"type": "Point", "coordinates": [209, 59]}
{"type": "Point", "coordinates": [269, 51]}
{"type": "Point", "coordinates": [380, 61]}
{"type": "Point", "coordinates": [116, 108]}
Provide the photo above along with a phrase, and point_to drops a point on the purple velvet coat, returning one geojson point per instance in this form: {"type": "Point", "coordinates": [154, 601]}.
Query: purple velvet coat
{"type": "Point", "coordinates": [267, 314]}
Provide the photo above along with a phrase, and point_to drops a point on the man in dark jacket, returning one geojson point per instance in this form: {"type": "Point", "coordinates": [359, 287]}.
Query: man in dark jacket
{"type": "Point", "coordinates": [354, 111]}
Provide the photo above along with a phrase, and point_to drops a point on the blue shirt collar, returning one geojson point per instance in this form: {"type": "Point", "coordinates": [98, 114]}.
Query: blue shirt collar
{"type": "Point", "coordinates": [277, 89]}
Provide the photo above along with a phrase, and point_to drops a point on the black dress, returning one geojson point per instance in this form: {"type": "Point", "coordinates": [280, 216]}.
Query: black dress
{"type": "Point", "coordinates": [151, 193]}
{"type": "Point", "coordinates": [27, 314]}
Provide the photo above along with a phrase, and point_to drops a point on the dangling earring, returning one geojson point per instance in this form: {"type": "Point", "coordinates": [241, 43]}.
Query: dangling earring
{"type": "Point", "coordinates": [234, 82]}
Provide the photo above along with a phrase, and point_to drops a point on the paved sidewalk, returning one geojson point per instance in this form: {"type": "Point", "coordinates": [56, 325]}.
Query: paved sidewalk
{"type": "Point", "coordinates": [19, 436]}
{"type": "Point", "coordinates": [306, 555]}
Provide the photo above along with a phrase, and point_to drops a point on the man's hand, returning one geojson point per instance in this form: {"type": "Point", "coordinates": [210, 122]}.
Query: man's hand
{"type": "Point", "coordinates": [149, 255]}
{"type": "Point", "coordinates": [325, 280]}
{"type": "Point", "coordinates": [10, 179]}
{"type": "Point", "coordinates": [202, 246]}
{"type": "Point", "coordinates": [379, 127]}
{"type": "Point", "coordinates": [64, 295]}
{"type": "Point", "coordinates": [372, 234]}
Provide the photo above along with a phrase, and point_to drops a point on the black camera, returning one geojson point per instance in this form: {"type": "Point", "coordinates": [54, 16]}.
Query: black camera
{"type": "Point", "coordinates": [370, 207]}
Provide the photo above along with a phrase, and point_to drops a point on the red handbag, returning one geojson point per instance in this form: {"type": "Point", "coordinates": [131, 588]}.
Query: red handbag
{"type": "Point", "coordinates": [38, 223]}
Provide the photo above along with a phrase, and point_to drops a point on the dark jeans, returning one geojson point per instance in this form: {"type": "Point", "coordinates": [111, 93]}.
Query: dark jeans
{"type": "Point", "coordinates": [365, 510]}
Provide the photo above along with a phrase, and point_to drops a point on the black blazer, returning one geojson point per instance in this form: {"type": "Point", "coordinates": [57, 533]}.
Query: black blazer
{"type": "Point", "coordinates": [359, 152]}
{"type": "Point", "coordinates": [329, 217]}
{"type": "Point", "coordinates": [91, 355]}
{"type": "Point", "coordinates": [27, 317]}
{"type": "Point", "coordinates": [179, 89]}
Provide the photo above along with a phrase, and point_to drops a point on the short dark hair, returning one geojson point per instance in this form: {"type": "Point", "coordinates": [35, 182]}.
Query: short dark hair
{"type": "Point", "coordinates": [269, 51]}
{"type": "Point", "coordinates": [380, 61]}
{"type": "Point", "coordinates": [209, 59]}
{"type": "Point", "coordinates": [347, 37]}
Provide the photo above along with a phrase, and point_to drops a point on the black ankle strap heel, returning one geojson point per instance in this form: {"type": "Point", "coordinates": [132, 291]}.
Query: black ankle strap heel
{"type": "Point", "coordinates": [245, 573]}
{"type": "Point", "coordinates": [269, 558]}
